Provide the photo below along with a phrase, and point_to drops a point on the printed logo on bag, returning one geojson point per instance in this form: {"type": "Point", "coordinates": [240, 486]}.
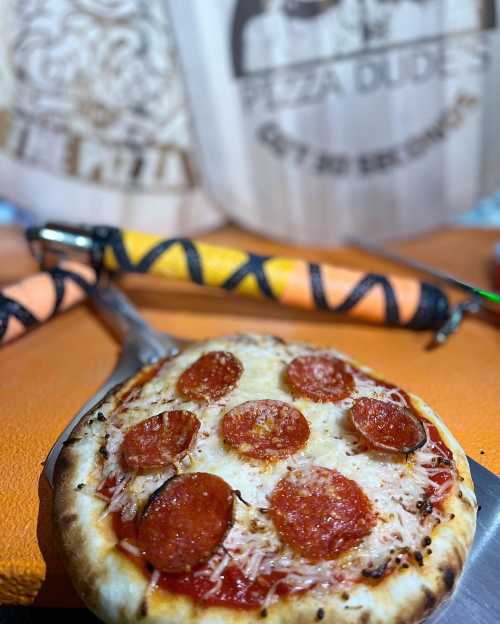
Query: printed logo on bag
{"type": "Point", "coordinates": [298, 55]}
{"type": "Point", "coordinates": [98, 95]}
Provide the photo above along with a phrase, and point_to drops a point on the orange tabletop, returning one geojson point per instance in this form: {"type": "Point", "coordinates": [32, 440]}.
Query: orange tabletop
{"type": "Point", "coordinates": [48, 374]}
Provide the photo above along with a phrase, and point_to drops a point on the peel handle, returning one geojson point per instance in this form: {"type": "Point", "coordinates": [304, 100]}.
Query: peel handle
{"type": "Point", "coordinates": [366, 296]}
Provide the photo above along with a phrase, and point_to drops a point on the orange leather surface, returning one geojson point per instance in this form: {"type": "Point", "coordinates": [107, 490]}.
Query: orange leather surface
{"type": "Point", "coordinates": [48, 374]}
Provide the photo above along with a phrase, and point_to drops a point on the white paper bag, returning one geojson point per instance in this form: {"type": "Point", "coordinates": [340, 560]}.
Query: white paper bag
{"type": "Point", "coordinates": [93, 118]}
{"type": "Point", "coordinates": [323, 119]}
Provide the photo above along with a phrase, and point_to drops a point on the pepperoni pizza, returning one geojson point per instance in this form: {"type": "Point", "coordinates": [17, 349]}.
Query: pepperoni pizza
{"type": "Point", "coordinates": [252, 479]}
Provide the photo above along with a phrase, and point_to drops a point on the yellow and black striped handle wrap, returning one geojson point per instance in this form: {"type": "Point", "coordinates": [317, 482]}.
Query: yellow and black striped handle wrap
{"type": "Point", "coordinates": [369, 297]}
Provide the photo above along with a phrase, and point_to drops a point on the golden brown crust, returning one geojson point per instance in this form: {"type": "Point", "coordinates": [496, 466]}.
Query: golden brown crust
{"type": "Point", "coordinates": [114, 588]}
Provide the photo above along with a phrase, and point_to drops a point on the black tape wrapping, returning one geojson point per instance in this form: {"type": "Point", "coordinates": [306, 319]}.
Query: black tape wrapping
{"type": "Point", "coordinates": [433, 308]}
{"type": "Point", "coordinates": [431, 312]}
{"type": "Point", "coordinates": [11, 308]}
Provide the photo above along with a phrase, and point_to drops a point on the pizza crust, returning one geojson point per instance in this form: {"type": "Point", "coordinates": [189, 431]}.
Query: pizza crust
{"type": "Point", "coordinates": [114, 588]}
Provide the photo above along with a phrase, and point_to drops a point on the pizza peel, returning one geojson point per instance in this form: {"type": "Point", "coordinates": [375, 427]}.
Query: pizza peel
{"type": "Point", "coordinates": [477, 599]}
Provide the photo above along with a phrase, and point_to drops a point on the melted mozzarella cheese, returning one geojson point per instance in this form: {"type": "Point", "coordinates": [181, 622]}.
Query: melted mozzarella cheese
{"type": "Point", "coordinates": [393, 483]}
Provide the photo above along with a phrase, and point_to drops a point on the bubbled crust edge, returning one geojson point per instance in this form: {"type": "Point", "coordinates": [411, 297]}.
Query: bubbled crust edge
{"type": "Point", "coordinates": [113, 587]}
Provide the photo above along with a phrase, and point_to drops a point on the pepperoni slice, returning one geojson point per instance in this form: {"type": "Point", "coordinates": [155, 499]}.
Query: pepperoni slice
{"type": "Point", "coordinates": [320, 513]}
{"type": "Point", "coordinates": [157, 441]}
{"type": "Point", "coordinates": [388, 426]}
{"type": "Point", "coordinates": [265, 429]}
{"type": "Point", "coordinates": [320, 378]}
{"type": "Point", "coordinates": [211, 377]}
{"type": "Point", "coordinates": [185, 521]}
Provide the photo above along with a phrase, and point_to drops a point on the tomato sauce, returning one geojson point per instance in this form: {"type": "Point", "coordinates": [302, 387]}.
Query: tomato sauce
{"type": "Point", "coordinates": [106, 489]}
{"type": "Point", "coordinates": [437, 446]}
{"type": "Point", "coordinates": [133, 393]}
{"type": "Point", "coordinates": [235, 589]}
{"type": "Point", "coordinates": [440, 449]}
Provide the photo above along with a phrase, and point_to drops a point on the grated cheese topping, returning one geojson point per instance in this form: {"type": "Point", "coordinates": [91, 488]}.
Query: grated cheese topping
{"type": "Point", "coordinates": [395, 484]}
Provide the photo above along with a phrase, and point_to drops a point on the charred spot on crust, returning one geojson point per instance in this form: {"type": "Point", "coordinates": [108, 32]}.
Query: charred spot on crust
{"type": "Point", "coordinates": [425, 507]}
{"type": "Point", "coordinates": [63, 463]}
{"type": "Point", "coordinates": [71, 441]}
{"type": "Point", "coordinates": [69, 518]}
{"type": "Point", "coordinates": [143, 609]}
{"type": "Point", "coordinates": [430, 599]}
{"type": "Point", "coordinates": [460, 557]}
{"type": "Point", "coordinates": [109, 395]}
{"type": "Point", "coordinates": [101, 417]}
{"type": "Point", "coordinates": [449, 578]}
{"type": "Point", "coordinates": [320, 614]}
{"type": "Point", "coordinates": [377, 572]}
